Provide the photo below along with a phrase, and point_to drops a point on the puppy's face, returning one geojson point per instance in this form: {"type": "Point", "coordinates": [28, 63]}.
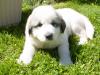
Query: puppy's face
{"type": "Point", "coordinates": [45, 24]}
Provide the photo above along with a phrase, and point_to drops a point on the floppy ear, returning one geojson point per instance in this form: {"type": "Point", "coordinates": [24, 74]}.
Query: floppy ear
{"type": "Point", "coordinates": [29, 27]}
{"type": "Point", "coordinates": [30, 30]}
{"type": "Point", "coordinates": [63, 26]}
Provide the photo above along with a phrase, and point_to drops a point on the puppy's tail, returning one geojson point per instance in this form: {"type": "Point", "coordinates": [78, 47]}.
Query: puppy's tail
{"type": "Point", "coordinates": [89, 28]}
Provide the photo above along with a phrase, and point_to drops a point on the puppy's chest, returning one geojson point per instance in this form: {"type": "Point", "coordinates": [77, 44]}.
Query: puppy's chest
{"type": "Point", "coordinates": [47, 45]}
{"type": "Point", "coordinates": [51, 45]}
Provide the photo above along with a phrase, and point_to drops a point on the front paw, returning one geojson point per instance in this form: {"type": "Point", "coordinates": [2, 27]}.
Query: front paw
{"type": "Point", "coordinates": [82, 41]}
{"type": "Point", "coordinates": [65, 62]}
{"type": "Point", "coordinates": [24, 59]}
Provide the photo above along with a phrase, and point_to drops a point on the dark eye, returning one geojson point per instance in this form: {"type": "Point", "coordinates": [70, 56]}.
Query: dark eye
{"type": "Point", "coordinates": [39, 25]}
{"type": "Point", "coordinates": [54, 24]}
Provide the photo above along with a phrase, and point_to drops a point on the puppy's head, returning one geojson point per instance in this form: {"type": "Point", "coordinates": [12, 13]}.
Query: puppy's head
{"type": "Point", "coordinates": [45, 24]}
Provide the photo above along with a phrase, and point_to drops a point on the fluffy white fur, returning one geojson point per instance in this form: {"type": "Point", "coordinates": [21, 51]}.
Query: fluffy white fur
{"type": "Point", "coordinates": [36, 34]}
{"type": "Point", "coordinates": [77, 24]}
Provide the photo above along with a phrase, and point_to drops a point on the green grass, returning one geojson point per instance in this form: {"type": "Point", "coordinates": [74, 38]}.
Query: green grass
{"type": "Point", "coordinates": [86, 58]}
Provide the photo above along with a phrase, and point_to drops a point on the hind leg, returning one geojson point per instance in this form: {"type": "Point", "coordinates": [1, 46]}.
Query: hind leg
{"type": "Point", "coordinates": [83, 39]}
{"type": "Point", "coordinates": [81, 32]}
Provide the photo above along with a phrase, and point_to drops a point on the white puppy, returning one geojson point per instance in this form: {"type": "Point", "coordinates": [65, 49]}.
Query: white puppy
{"type": "Point", "coordinates": [50, 28]}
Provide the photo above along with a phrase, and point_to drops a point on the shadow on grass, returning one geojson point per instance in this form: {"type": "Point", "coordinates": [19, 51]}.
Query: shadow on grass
{"type": "Point", "coordinates": [74, 48]}
{"type": "Point", "coordinates": [52, 52]}
{"type": "Point", "coordinates": [17, 30]}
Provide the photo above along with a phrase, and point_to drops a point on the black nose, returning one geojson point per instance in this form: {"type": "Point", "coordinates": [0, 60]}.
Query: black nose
{"type": "Point", "coordinates": [49, 36]}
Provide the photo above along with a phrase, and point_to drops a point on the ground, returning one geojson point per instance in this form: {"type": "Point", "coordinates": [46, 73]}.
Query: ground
{"type": "Point", "coordinates": [86, 58]}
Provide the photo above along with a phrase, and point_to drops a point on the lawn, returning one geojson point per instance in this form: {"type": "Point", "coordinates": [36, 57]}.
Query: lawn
{"type": "Point", "coordinates": [86, 58]}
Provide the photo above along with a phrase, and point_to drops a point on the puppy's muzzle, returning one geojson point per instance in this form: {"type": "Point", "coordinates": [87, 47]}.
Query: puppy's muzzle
{"type": "Point", "coordinates": [49, 36]}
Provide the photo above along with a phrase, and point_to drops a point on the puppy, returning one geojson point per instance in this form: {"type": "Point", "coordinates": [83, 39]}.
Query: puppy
{"type": "Point", "coordinates": [50, 28]}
